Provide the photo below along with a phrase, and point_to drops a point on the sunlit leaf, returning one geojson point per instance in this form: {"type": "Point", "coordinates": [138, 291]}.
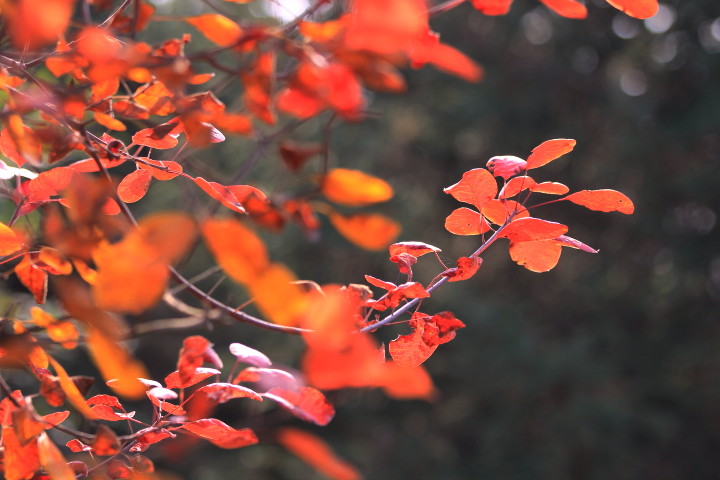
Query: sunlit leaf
{"type": "Point", "coordinates": [236, 248]}
{"type": "Point", "coordinates": [116, 363]}
{"type": "Point", "coordinates": [134, 186]}
{"type": "Point", "coordinates": [306, 403]}
{"type": "Point", "coordinates": [603, 201]}
{"type": "Point", "coordinates": [465, 221]}
{"type": "Point", "coordinates": [221, 434]}
{"type": "Point", "coordinates": [476, 187]}
{"type": "Point", "coordinates": [636, 8]}
{"type": "Point", "coordinates": [354, 188]}
{"type": "Point", "coordinates": [551, 188]}
{"type": "Point", "coordinates": [567, 8]}
{"type": "Point", "coordinates": [370, 231]}
{"type": "Point", "coordinates": [217, 28]}
{"type": "Point", "coordinates": [9, 241]}
{"type": "Point", "coordinates": [200, 374]}
{"type": "Point", "coordinates": [71, 390]}
{"type": "Point", "coordinates": [548, 151]}
{"type": "Point", "coordinates": [493, 7]}
{"type": "Point", "coordinates": [530, 228]}
{"type": "Point", "coordinates": [466, 268]}
{"type": "Point", "coordinates": [506, 166]}
{"type": "Point", "coordinates": [498, 211]}
{"type": "Point", "coordinates": [222, 392]}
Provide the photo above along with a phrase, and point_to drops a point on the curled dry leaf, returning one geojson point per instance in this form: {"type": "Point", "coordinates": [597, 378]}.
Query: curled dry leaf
{"type": "Point", "coordinates": [506, 166]}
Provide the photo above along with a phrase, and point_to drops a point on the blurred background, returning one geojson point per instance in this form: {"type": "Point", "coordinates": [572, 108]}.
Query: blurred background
{"type": "Point", "coordinates": [608, 366]}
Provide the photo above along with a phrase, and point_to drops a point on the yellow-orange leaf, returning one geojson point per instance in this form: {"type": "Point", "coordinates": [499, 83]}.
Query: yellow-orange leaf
{"type": "Point", "coordinates": [355, 188]}
{"type": "Point", "coordinates": [217, 28]}
{"type": "Point", "coordinates": [116, 363]}
{"type": "Point", "coordinates": [71, 391]}
{"type": "Point", "coordinates": [9, 241]}
{"type": "Point", "coordinates": [109, 122]}
{"type": "Point", "coordinates": [277, 297]}
{"type": "Point", "coordinates": [52, 460]}
{"type": "Point", "coordinates": [316, 453]}
{"type": "Point", "coordinates": [236, 248]}
{"type": "Point", "coordinates": [171, 233]}
{"type": "Point", "coordinates": [370, 231]}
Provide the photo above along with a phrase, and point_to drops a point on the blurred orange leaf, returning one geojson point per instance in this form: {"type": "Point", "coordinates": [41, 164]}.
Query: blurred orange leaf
{"type": "Point", "coordinates": [354, 188]}
{"type": "Point", "coordinates": [236, 248]}
{"type": "Point", "coordinates": [71, 390]}
{"type": "Point", "coordinates": [9, 241]}
{"type": "Point", "coordinates": [306, 403]}
{"type": "Point", "coordinates": [316, 453]}
{"type": "Point", "coordinates": [217, 28]}
{"type": "Point", "coordinates": [567, 8]}
{"type": "Point", "coordinates": [277, 295]}
{"type": "Point", "coordinates": [370, 231]}
{"type": "Point", "coordinates": [52, 460]}
{"type": "Point", "coordinates": [117, 364]}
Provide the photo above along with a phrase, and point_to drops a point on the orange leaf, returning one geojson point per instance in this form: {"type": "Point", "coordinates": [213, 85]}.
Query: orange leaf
{"type": "Point", "coordinates": [636, 8]}
{"type": "Point", "coordinates": [354, 188]}
{"type": "Point", "coordinates": [530, 228]}
{"type": "Point", "coordinates": [52, 460]}
{"type": "Point", "coordinates": [464, 221]}
{"type": "Point", "coordinates": [116, 363]}
{"type": "Point", "coordinates": [33, 23]}
{"type": "Point", "coordinates": [516, 185]}
{"type": "Point", "coordinates": [370, 231]}
{"type": "Point", "coordinates": [221, 392]}
{"type": "Point", "coordinates": [277, 296]}
{"type": "Point", "coordinates": [134, 186]}
{"type": "Point", "coordinates": [236, 248]}
{"type": "Point", "coordinates": [603, 201]}
{"type": "Point", "coordinates": [170, 233]}
{"type": "Point", "coordinates": [306, 403]}
{"type": "Point", "coordinates": [9, 241]}
{"type": "Point", "coordinates": [386, 27]}
{"type": "Point", "coordinates": [217, 28]}
{"type": "Point", "coordinates": [548, 151]}
{"type": "Point", "coordinates": [317, 454]}
{"type": "Point", "coordinates": [71, 390]}
{"type": "Point", "coordinates": [20, 462]}
{"type": "Point", "coordinates": [477, 187]}
{"type": "Point", "coordinates": [498, 211]}
{"type": "Point", "coordinates": [27, 147]}
{"type": "Point", "coordinates": [162, 137]}
{"type": "Point", "coordinates": [35, 279]}
{"type": "Point", "coordinates": [106, 443]}
{"type": "Point", "coordinates": [450, 60]}
{"type": "Point", "coordinates": [551, 188]}
{"type": "Point", "coordinates": [538, 256]}
{"type": "Point", "coordinates": [109, 122]}
{"type": "Point", "coordinates": [200, 374]}
{"type": "Point", "coordinates": [167, 169]}
{"type": "Point", "coordinates": [567, 8]}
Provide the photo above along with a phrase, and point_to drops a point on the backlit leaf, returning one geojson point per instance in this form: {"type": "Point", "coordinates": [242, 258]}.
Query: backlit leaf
{"type": "Point", "coordinates": [536, 256]}
{"type": "Point", "coordinates": [249, 355]}
{"type": "Point", "coordinates": [354, 188]}
{"type": "Point", "coordinates": [506, 166]}
{"type": "Point", "coordinates": [236, 248]}
{"type": "Point", "coordinates": [316, 453]}
{"type": "Point", "coordinates": [221, 434]}
{"type": "Point", "coordinates": [465, 221]}
{"type": "Point", "coordinates": [277, 295]}
{"type": "Point", "coordinates": [603, 201]}
{"type": "Point", "coordinates": [134, 186]}
{"type": "Point", "coordinates": [220, 193]}
{"type": "Point", "coordinates": [9, 241]}
{"type": "Point", "coordinates": [217, 28]}
{"type": "Point", "coordinates": [498, 211]}
{"type": "Point", "coordinates": [116, 363]}
{"type": "Point", "coordinates": [222, 392]}
{"type": "Point", "coordinates": [370, 231]}
{"type": "Point", "coordinates": [567, 8]}
{"type": "Point", "coordinates": [411, 350]}
{"type": "Point", "coordinates": [35, 279]}
{"type": "Point", "coordinates": [71, 390]}
{"type": "Point", "coordinates": [201, 373]}
{"type": "Point", "coordinates": [493, 7]}
{"type": "Point", "coordinates": [476, 187]}
{"type": "Point", "coordinates": [636, 8]}
{"type": "Point", "coordinates": [416, 249]}
{"type": "Point", "coordinates": [551, 188]}
{"type": "Point", "coordinates": [306, 403]}
{"type": "Point", "coordinates": [466, 268]}
{"type": "Point", "coordinates": [548, 151]}
{"type": "Point", "coordinates": [530, 228]}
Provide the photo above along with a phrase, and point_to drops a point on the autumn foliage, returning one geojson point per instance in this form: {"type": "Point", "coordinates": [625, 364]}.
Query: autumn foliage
{"type": "Point", "coordinates": [94, 118]}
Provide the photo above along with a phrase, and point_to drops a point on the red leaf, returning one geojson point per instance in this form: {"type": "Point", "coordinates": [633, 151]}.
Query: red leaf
{"type": "Point", "coordinates": [200, 374]}
{"type": "Point", "coordinates": [567, 8]}
{"type": "Point", "coordinates": [105, 412]}
{"type": "Point", "coordinates": [134, 186]}
{"type": "Point", "coordinates": [380, 283]}
{"type": "Point", "coordinates": [515, 186]}
{"type": "Point", "coordinates": [192, 356]}
{"type": "Point", "coordinates": [636, 8]}
{"type": "Point", "coordinates": [108, 400]}
{"type": "Point", "coordinates": [370, 231]}
{"type": "Point", "coordinates": [416, 249]}
{"type": "Point", "coordinates": [446, 325]}
{"type": "Point", "coordinates": [466, 268]}
{"type": "Point", "coordinates": [317, 453]}
{"type": "Point", "coordinates": [167, 170]}
{"type": "Point", "coordinates": [55, 418]}
{"type": "Point", "coordinates": [506, 166]}
{"type": "Point", "coordinates": [222, 392]}
{"type": "Point", "coordinates": [306, 403]}
{"type": "Point", "coordinates": [148, 436]}
{"type": "Point", "coordinates": [405, 262]}
{"type": "Point", "coordinates": [77, 446]}
{"type": "Point", "coordinates": [217, 28]}
{"type": "Point", "coordinates": [222, 435]}
{"type": "Point", "coordinates": [106, 443]}
{"type": "Point", "coordinates": [476, 187]}
{"type": "Point", "coordinates": [220, 193]}
{"type": "Point", "coordinates": [548, 151]}
{"type": "Point", "coordinates": [538, 256]}
{"type": "Point", "coordinates": [249, 355]}
{"type": "Point", "coordinates": [465, 221]}
{"type": "Point", "coordinates": [9, 241]}
{"type": "Point", "coordinates": [411, 350]}
{"type": "Point", "coordinates": [602, 201]}
{"type": "Point", "coordinates": [162, 137]}
{"type": "Point", "coordinates": [493, 7]}
{"type": "Point", "coordinates": [551, 188]}
{"type": "Point", "coordinates": [571, 242]}
{"type": "Point", "coordinates": [400, 293]}
{"type": "Point", "coordinates": [530, 228]}
{"type": "Point", "coordinates": [34, 278]}
{"type": "Point", "coordinates": [498, 211]}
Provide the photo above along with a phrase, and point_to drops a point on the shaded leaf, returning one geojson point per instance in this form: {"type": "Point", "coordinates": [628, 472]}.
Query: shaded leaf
{"type": "Point", "coordinates": [314, 451]}
{"type": "Point", "coordinates": [249, 355]}
{"type": "Point", "coordinates": [306, 403]}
